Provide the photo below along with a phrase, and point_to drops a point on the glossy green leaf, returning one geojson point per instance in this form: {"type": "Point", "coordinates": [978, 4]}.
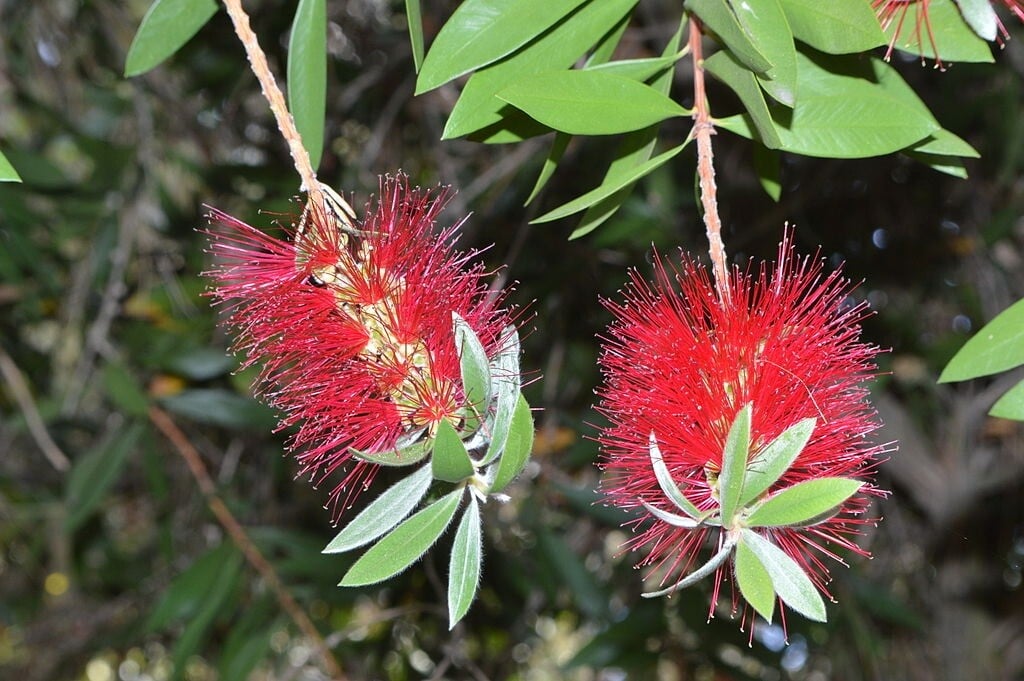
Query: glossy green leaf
{"type": "Point", "coordinates": [600, 212]}
{"type": "Point", "coordinates": [95, 472]}
{"type": "Point", "coordinates": [718, 15]}
{"type": "Point", "coordinates": [558, 147]}
{"type": "Point", "coordinates": [726, 68]}
{"type": "Point", "coordinates": [955, 40]}
{"type": "Point", "coordinates": [944, 143]}
{"type": "Point", "coordinates": [483, 31]}
{"type": "Point", "coordinates": [517, 448]}
{"type": "Point", "coordinates": [505, 379]}
{"type": "Point", "coordinates": [768, 166]}
{"type": "Point", "coordinates": [307, 75]}
{"type": "Point", "coordinates": [475, 370]}
{"type": "Point", "coordinates": [834, 27]}
{"type": "Point", "coordinates": [981, 17]}
{"type": "Point", "coordinates": [414, 20]}
{"type": "Point", "coordinates": [450, 461]}
{"type": "Point", "coordinates": [637, 69]}
{"type": "Point", "coordinates": [998, 346]}
{"type": "Point", "coordinates": [769, 464]}
{"type": "Point", "coordinates": [386, 511]}
{"type": "Point", "coordinates": [7, 171]}
{"type": "Point", "coordinates": [667, 482]}
{"type": "Point", "coordinates": [848, 108]}
{"type": "Point", "coordinates": [559, 48]}
{"type": "Point", "coordinates": [754, 581]}
{"type": "Point", "coordinates": [405, 544]}
{"type": "Point", "coordinates": [1011, 404]}
{"type": "Point", "coordinates": [605, 48]}
{"type": "Point", "coordinates": [399, 456]}
{"type": "Point", "coordinates": [734, 464]}
{"type": "Point", "coordinates": [803, 501]}
{"type": "Point", "coordinates": [947, 165]}
{"type": "Point", "coordinates": [590, 102]}
{"type": "Point", "coordinates": [789, 580]}
{"type": "Point", "coordinates": [166, 27]}
{"type": "Point", "coordinates": [464, 566]}
{"type": "Point", "coordinates": [766, 23]}
{"type": "Point", "coordinates": [608, 188]}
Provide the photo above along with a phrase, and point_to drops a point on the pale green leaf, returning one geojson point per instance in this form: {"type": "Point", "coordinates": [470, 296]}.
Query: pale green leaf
{"type": "Point", "coordinates": [307, 75]}
{"type": "Point", "coordinates": [700, 573]}
{"type": "Point", "coordinates": [671, 518]}
{"type": "Point", "coordinates": [734, 464]}
{"type": "Point", "coordinates": [789, 580]}
{"type": "Point", "coordinates": [517, 447]}
{"type": "Point", "coordinates": [505, 379]}
{"type": "Point", "coordinates": [803, 501]}
{"type": "Point", "coordinates": [450, 461]}
{"type": "Point", "coordinates": [386, 511]}
{"type": "Point", "coordinates": [483, 31]}
{"type": "Point", "coordinates": [464, 566]}
{"type": "Point", "coordinates": [769, 464]}
{"type": "Point", "coordinates": [718, 15]}
{"type": "Point", "coordinates": [7, 171]}
{"type": "Point", "coordinates": [998, 346]}
{"type": "Point", "coordinates": [981, 17]}
{"type": "Point", "coordinates": [414, 19]}
{"type": "Point", "coordinates": [754, 581]}
{"type": "Point", "coordinates": [1011, 404]}
{"type": "Point", "coordinates": [835, 27]}
{"type": "Point", "coordinates": [475, 370]}
{"type": "Point", "coordinates": [399, 456]}
{"type": "Point", "coordinates": [667, 482]}
{"type": "Point", "coordinates": [405, 544]}
{"type": "Point", "coordinates": [166, 27]}
{"type": "Point", "coordinates": [726, 68]}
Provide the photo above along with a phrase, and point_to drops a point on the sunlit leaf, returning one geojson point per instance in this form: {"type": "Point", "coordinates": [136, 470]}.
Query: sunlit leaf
{"type": "Point", "coordinates": [835, 27]}
{"type": "Point", "coordinates": [307, 75]}
{"type": "Point", "coordinates": [450, 461]}
{"type": "Point", "coordinates": [955, 40]}
{"type": "Point", "coordinates": [399, 456]}
{"type": "Point", "coordinates": [475, 370]}
{"type": "Point", "coordinates": [517, 447]}
{"type": "Point", "coordinates": [1011, 404]}
{"type": "Point", "coordinates": [667, 482]}
{"type": "Point", "coordinates": [789, 580]}
{"type": "Point", "coordinates": [464, 566]}
{"type": "Point", "coordinates": [754, 581]}
{"type": "Point", "coordinates": [7, 171]}
{"type": "Point", "coordinates": [769, 464]}
{"type": "Point", "coordinates": [803, 501]}
{"type": "Point", "coordinates": [734, 464]}
{"type": "Point", "coordinates": [505, 380]}
{"type": "Point", "coordinates": [726, 68]}
{"type": "Point", "coordinates": [981, 17]}
{"type": "Point", "coordinates": [998, 346]}
{"type": "Point", "coordinates": [166, 27]}
{"type": "Point", "coordinates": [719, 16]}
{"type": "Point", "coordinates": [766, 23]}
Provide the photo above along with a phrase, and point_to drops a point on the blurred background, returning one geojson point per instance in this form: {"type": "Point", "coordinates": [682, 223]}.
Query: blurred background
{"type": "Point", "coordinates": [112, 567]}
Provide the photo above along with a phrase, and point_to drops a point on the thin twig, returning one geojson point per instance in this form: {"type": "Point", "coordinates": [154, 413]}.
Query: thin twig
{"type": "Point", "coordinates": [703, 129]}
{"type": "Point", "coordinates": [241, 539]}
{"type": "Point", "coordinates": [23, 396]}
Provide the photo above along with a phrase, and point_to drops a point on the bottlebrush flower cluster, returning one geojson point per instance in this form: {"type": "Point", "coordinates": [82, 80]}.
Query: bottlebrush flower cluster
{"type": "Point", "coordinates": [679, 365]}
{"type": "Point", "coordinates": [351, 325]}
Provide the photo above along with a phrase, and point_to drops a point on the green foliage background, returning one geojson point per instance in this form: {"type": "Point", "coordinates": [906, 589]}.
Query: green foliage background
{"type": "Point", "coordinates": [115, 568]}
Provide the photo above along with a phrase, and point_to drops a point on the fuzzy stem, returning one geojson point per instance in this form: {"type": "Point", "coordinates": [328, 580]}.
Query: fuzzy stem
{"type": "Point", "coordinates": [703, 129]}
{"type": "Point", "coordinates": [274, 97]}
{"type": "Point", "coordinates": [241, 539]}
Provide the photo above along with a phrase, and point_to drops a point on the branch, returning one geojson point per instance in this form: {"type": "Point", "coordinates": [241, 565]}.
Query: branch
{"type": "Point", "coordinates": [23, 396]}
{"type": "Point", "coordinates": [241, 539]}
{"type": "Point", "coordinates": [703, 129]}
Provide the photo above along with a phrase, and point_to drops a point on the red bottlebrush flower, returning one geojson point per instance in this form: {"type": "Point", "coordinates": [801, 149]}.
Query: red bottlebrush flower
{"type": "Point", "coordinates": [351, 327]}
{"type": "Point", "coordinates": [679, 364]}
{"type": "Point", "coordinates": [892, 14]}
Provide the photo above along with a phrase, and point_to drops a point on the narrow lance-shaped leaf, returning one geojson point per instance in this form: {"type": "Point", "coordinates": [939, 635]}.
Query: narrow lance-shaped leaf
{"type": "Point", "coordinates": [998, 346]}
{"type": "Point", "coordinates": [766, 24]}
{"type": "Point", "coordinates": [768, 465]}
{"type": "Point", "coordinates": [505, 382]}
{"type": "Point", "coordinates": [399, 456]}
{"type": "Point", "coordinates": [700, 573]}
{"type": "Point", "coordinates": [405, 544]}
{"type": "Point", "coordinates": [1011, 404]}
{"type": "Point", "coordinates": [726, 68]}
{"type": "Point", "coordinates": [667, 483]}
{"type": "Point", "coordinates": [414, 19]}
{"type": "Point", "coordinates": [671, 518]}
{"type": "Point", "coordinates": [167, 26]}
{"type": "Point", "coordinates": [464, 566]}
{"type": "Point", "coordinates": [307, 75]}
{"type": "Point", "coordinates": [981, 17]}
{"type": "Point", "coordinates": [517, 448]}
{"type": "Point", "coordinates": [386, 511]}
{"type": "Point", "coordinates": [720, 18]}
{"type": "Point", "coordinates": [754, 581]}
{"type": "Point", "coordinates": [475, 370]}
{"type": "Point", "coordinates": [789, 580]}
{"type": "Point", "coordinates": [7, 171]}
{"type": "Point", "coordinates": [734, 464]}
{"type": "Point", "coordinates": [803, 501]}
{"type": "Point", "coordinates": [450, 461]}
{"type": "Point", "coordinates": [558, 147]}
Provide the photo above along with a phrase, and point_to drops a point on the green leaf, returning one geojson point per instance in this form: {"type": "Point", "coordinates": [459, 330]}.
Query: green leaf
{"type": "Point", "coordinates": [848, 108]}
{"type": "Point", "coordinates": [7, 171]}
{"type": "Point", "coordinates": [944, 143]}
{"type": "Point", "coordinates": [475, 370]}
{"type": "Point", "coordinates": [399, 456]}
{"type": "Point", "coordinates": [769, 464]}
{"type": "Point", "coordinates": [166, 27]}
{"type": "Point", "coordinates": [789, 580]}
{"type": "Point", "coordinates": [450, 461]}
{"type": "Point", "coordinates": [559, 48]}
{"type": "Point", "coordinates": [307, 75]}
{"type": "Point", "coordinates": [765, 22]}
{"type": "Point", "coordinates": [734, 464]}
{"type": "Point", "coordinates": [220, 407]}
{"type": "Point", "coordinates": [768, 166]}
{"type": "Point", "coordinates": [414, 19]}
{"type": "Point", "coordinates": [482, 31]}
{"type": "Point", "coordinates": [386, 511]}
{"type": "Point", "coordinates": [600, 212]}
{"type": "Point", "coordinates": [955, 40]}
{"type": "Point", "coordinates": [981, 17]}
{"type": "Point", "coordinates": [726, 68]}
{"type": "Point", "coordinates": [464, 567]}
{"type": "Point", "coordinates": [200, 364]}
{"type": "Point", "coordinates": [998, 346]}
{"type": "Point", "coordinates": [207, 576]}
{"type": "Point", "coordinates": [754, 581]}
{"type": "Point", "coordinates": [667, 482]}
{"type": "Point", "coordinates": [405, 544]}
{"type": "Point", "coordinates": [558, 146]}
{"type": "Point", "coordinates": [505, 379]}
{"type": "Point", "coordinates": [590, 102]}
{"type": "Point", "coordinates": [671, 518]}
{"type": "Point", "coordinates": [803, 501]}
{"type": "Point", "coordinates": [124, 390]}
{"type": "Point", "coordinates": [609, 187]}
{"type": "Point", "coordinates": [700, 573]}
{"type": "Point", "coordinates": [94, 473]}
{"type": "Point", "coordinates": [947, 165]}
{"type": "Point", "coordinates": [605, 48]}
{"type": "Point", "coordinates": [517, 448]}
{"type": "Point", "coordinates": [1010, 405]}
{"type": "Point", "coordinates": [637, 69]}
{"type": "Point", "coordinates": [834, 27]}
{"type": "Point", "coordinates": [720, 18]}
